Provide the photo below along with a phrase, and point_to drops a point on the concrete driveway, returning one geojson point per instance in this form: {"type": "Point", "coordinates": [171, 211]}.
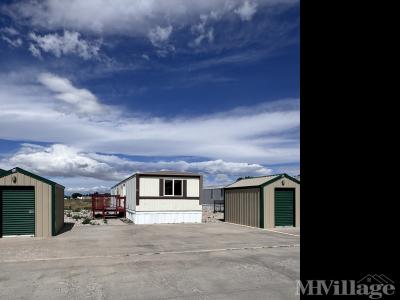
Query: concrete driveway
{"type": "Point", "coordinates": [174, 261]}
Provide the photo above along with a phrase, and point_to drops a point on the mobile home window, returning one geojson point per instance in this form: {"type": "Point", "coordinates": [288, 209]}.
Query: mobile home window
{"type": "Point", "coordinates": [168, 187]}
{"type": "Point", "coordinates": [173, 187]}
{"type": "Point", "coordinates": [178, 187]}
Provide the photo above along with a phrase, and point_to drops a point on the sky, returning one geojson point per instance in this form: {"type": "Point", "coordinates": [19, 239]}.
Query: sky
{"type": "Point", "coordinates": [92, 92]}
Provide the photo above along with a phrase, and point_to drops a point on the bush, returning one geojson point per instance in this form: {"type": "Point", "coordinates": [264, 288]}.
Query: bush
{"type": "Point", "coordinates": [86, 221]}
{"type": "Point", "coordinates": [76, 217]}
{"type": "Point", "coordinates": [105, 221]}
{"type": "Point", "coordinates": [77, 210]}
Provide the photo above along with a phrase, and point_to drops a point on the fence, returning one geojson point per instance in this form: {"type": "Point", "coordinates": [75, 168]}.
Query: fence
{"type": "Point", "coordinates": [219, 206]}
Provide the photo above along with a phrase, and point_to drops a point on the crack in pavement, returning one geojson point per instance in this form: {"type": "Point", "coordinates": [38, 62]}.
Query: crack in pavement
{"type": "Point", "coordinates": [149, 253]}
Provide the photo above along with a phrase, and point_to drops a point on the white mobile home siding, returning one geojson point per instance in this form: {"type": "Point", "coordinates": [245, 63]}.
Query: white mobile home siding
{"type": "Point", "coordinates": [149, 187]}
{"type": "Point", "coordinates": [193, 187]}
{"type": "Point", "coordinates": [153, 206]}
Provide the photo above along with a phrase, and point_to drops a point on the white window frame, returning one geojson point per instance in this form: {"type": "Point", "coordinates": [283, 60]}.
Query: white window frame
{"type": "Point", "coordinates": [173, 187]}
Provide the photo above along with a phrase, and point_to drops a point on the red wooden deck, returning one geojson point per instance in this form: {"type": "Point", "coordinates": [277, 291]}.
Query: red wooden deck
{"type": "Point", "coordinates": [108, 205]}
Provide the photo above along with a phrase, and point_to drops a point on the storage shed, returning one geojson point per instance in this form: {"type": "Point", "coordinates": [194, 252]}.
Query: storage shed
{"type": "Point", "coordinates": [162, 197]}
{"type": "Point", "coordinates": [266, 201]}
{"type": "Point", "coordinates": [30, 204]}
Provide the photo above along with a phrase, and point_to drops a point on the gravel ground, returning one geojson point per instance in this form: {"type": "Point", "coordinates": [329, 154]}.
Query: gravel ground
{"type": "Point", "coordinates": [78, 217]}
{"type": "Point", "coordinates": [210, 217]}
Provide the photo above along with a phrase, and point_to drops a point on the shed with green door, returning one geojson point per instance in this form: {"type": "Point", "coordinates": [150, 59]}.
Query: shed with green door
{"type": "Point", "coordinates": [30, 204]}
{"type": "Point", "coordinates": [265, 201]}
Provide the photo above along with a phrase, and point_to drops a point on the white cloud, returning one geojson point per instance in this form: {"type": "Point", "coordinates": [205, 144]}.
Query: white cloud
{"type": "Point", "coordinates": [247, 10]}
{"type": "Point", "coordinates": [59, 160]}
{"type": "Point", "coordinates": [12, 42]}
{"type": "Point", "coordinates": [83, 135]}
{"type": "Point", "coordinates": [35, 51]}
{"type": "Point", "coordinates": [132, 18]}
{"type": "Point", "coordinates": [68, 43]}
{"type": "Point", "coordinates": [202, 32]}
{"type": "Point", "coordinates": [9, 31]}
{"type": "Point", "coordinates": [80, 100]}
{"type": "Point", "coordinates": [266, 134]}
{"type": "Point", "coordinates": [10, 35]}
{"type": "Point", "coordinates": [160, 35]}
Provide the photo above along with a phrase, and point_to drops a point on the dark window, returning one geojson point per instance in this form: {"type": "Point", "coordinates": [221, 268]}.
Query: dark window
{"type": "Point", "coordinates": [178, 187]}
{"type": "Point", "coordinates": [168, 187]}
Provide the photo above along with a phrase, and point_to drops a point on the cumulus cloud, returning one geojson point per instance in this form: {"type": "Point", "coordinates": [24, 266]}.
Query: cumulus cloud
{"type": "Point", "coordinates": [266, 134]}
{"type": "Point", "coordinates": [59, 160]}
{"type": "Point", "coordinates": [68, 43]}
{"type": "Point", "coordinates": [81, 100]}
{"type": "Point", "coordinates": [227, 145]}
{"type": "Point", "coordinates": [247, 10]}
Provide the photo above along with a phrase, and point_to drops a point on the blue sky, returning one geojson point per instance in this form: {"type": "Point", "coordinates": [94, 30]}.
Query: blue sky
{"type": "Point", "coordinates": [91, 93]}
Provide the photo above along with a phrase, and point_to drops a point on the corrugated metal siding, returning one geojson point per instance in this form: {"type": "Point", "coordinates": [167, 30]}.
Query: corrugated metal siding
{"type": "Point", "coordinates": [284, 207]}
{"type": "Point", "coordinates": [59, 208]}
{"type": "Point", "coordinates": [18, 211]}
{"type": "Point", "coordinates": [42, 201]}
{"type": "Point", "coordinates": [242, 206]}
{"type": "Point", "coordinates": [269, 201]}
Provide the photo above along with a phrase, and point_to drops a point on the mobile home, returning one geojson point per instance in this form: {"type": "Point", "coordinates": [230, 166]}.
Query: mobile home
{"type": "Point", "coordinates": [162, 197]}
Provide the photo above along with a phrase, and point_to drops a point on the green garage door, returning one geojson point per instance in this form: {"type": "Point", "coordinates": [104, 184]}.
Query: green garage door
{"type": "Point", "coordinates": [284, 207]}
{"type": "Point", "coordinates": [18, 211]}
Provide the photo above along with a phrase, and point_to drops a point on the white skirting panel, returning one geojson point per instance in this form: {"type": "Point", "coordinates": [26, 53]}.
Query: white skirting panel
{"type": "Point", "coordinates": [163, 217]}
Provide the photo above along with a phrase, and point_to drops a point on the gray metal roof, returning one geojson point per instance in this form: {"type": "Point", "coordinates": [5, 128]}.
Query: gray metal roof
{"type": "Point", "coordinates": [255, 181]}
{"type": "Point", "coordinates": [170, 173]}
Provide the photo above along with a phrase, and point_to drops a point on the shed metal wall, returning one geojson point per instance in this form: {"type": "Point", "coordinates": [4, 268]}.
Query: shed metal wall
{"type": "Point", "coordinates": [59, 208]}
{"type": "Point", "coordinates": [43, 196]}
{"type": "Point", "coordinates": [242, 206]}
{"type": "Point", "coordinates": [269, 201]}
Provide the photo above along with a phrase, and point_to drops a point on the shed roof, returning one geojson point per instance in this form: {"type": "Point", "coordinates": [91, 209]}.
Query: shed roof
{"type": "Point", "coordinates": [170, 173]}
{"type": "Point", "coordinates": [27, 173]}
{"type": "Point", "coordinates": [259, 181]}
